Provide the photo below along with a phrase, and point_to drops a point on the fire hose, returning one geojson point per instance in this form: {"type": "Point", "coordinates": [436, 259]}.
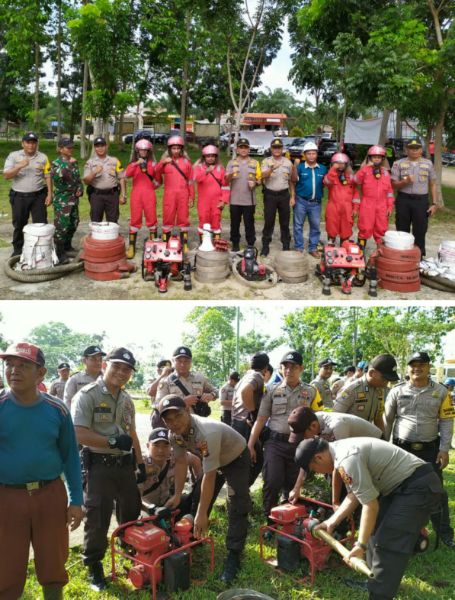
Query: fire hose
{"type": "Point", "coordinates": [39, 275]}
{"type": "Point", "coordinates": [357, 564]}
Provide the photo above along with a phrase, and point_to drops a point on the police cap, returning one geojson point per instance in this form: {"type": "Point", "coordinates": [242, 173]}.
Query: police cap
{"type": "Point", "coordinates": [170, 402]}
{"type": "Point", "coordinates": [243, 142]}
{"type": "Point", "coordinates": [422, 357]}
{"type": "Point", "coordinates": [276, 143]}
{"type": "Point", "coordinates": [92, 350]}
{"type": "Point", "coordinates": [182, 351]}
{"type": "Point", "coordinates": [307, 449]}
{"type": "Point", "coordinates": [164, 362]}
{"type": "Point", "coordinates": [99, 141]}
{"type": "Point", "coordinates": [386, 365]}
{"type": "Point", "coordinates": [159, 434]}
{"type": "Point", "coordinates": [292, 357]}
{"type": "Point", "coordinates": [327, 362]}
{"type": "Point", "coordinates": [259, 360]}
{"type": "Point", "coordinates": [235, 376]}
{"type": "Point", "coordinates": [30, 137]}
{"type": "Point", "coordinates": [350, 369]}
{"type": "Point", "coordinates": [66, 143]}
{"type": "Point", "coordinates": [413, 144]}
{"type": "Point", "coordinates": [63, 365]}
{"type": "Point", "coordinates": [299, 420]}
{"type": "Point", "coordinates": [122, 355]}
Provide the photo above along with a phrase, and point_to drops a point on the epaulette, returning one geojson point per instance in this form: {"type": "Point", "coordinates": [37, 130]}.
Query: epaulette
{"type": "Point", "coordinates": [402, 382]}
{"type": "Point", "coordinates": [89, 386]}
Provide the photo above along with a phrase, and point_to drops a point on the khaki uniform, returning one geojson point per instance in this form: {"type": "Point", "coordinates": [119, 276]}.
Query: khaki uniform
{"type": "Point", "coordinates": [421, 422]}
{"type": "Point", "coordinates": [338, 426]}
{"type": "Point", "coordinates": [276, 200]}
{"type": "Point", "coordinates": [280, 470]}
{"type": "Point", "coordinates": [226, 396]}
{"type": "Point", "coordinates": [103, 191]}
{"type": "Point", "coordinates": [242, 202]}
{"type": "Point", "coordinates": [225, 450]}
{"type": "Point", "coordinates": [31, 178]}
{"type": "Point", "coordinates": [57, 388]}
{"type": "Point", "coordinates": [408, 492]}
{"type": "Point", "coordinates": [161, 494]}
{"type": "Point", "coordinates": [280, 178]}
{"type": "Point", "coordinates": [323, 386]}
{"type": "Point", "coordinates": [110, 471]}
{"type": "Point", "coordinates": [422, 171]}
{"type": "Point", "coordinates": [360, 399]}
{"type": "Point", "coordinates": [109, 176]}
{"type": "Point", "coordinates": [256, 380]}
{"type": "Point", "coordinates": [74, 384]}
{"type": "Point", "coordinates": [196, 384]}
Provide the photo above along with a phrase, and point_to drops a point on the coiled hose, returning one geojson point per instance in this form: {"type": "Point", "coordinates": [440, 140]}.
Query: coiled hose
{"type": "Point", "coordinates": [39, 275]}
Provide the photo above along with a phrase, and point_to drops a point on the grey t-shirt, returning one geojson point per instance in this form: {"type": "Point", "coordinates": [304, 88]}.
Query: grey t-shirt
{"type": "Point", "coordinates": [75, 383]}
{"type": "Point", "coordinates": [338, 426]}
{"type": "Point", "coordinates": [256, 380]}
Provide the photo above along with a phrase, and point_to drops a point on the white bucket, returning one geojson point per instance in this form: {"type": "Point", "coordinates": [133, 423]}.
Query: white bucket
{"type": "Point", "coordinates": [446, 252]}
{"type": "Point", "coordinates": [38, 251]}
{"type": "Point", "coordinates": [104, 230]}
{"type": "Point", "coordinates": [399, 240]}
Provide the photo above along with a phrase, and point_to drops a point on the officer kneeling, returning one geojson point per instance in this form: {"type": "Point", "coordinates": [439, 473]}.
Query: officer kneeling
{"type": "Point", "coordinates": [398, 493]}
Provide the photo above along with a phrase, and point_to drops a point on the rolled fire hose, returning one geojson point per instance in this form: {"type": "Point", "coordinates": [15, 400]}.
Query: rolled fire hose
{"type": "Point", "coordinates": [37, 276]}
{"type": "Point", "coordinates": [357, 564]}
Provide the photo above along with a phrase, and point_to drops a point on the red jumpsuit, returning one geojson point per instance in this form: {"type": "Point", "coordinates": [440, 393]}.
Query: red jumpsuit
{"type": "Point", "coordinates": [377, 200]}
{"type": "Point", "coordinates": [340, 207]}
{"type": "Point", "coordinates": [211, 191]}
{"type": "Point", "coordinates": [178, 191]}
{"type": "Point", "coordinates": [143, 197]}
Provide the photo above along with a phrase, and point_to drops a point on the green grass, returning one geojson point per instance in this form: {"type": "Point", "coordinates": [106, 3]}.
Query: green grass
{"type": "Point", "coordinates": [429, 576]}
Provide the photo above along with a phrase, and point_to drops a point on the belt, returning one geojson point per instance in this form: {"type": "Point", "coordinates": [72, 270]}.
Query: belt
{"type": "Point", "coordinates": [424, 469]}
{"type": "Point", "coordinates": [30, 486]}
{"type": "Point", "coordinates": [279, 437]}
{"type": "Point", "coordinates": [41, 191]}
{"type": "Point", "coordinates": [277, 192]}
{"type": "Point", "coordinates": [415, 446]}
{"type": "Point", "coordinates": [104, 191]}
{"type": "Point", "coordinates": [310, 200]}
{"type": "Point", "coordinates": [111, 460]}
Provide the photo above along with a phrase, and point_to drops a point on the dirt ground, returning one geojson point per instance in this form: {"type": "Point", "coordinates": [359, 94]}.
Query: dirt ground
{"type": "Point", "coordinates": [76, 286]}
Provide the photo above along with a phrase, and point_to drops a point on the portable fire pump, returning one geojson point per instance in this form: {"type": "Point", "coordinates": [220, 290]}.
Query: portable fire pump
{"type": "Point", "coordinates": [162, 261]}
{"type": "Point", "coordinates": [344, 265]}
{"type": "Point", "coordinates": [295, 537]}
{"type": "Point", "coordinates": [160, 548]}
{"type": "Point", "coordinates": [249, 267]}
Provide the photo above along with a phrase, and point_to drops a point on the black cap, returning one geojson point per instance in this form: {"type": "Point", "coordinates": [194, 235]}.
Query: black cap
{"type": "Point", "coordinates": [413, 144]}
{"type": "Point", "coordinates": [182, 351]}
{"type": "Point", "coordinates": [92, 350]}
{"type": "Point", "coordinates": [235, 376]}
{"type": "Point", "coordinates": [327, 362]}
{"type": "Point", "coordinates": [243, 142]}
{"type": "Point", "coordinates": [386, 365]}
{"type": "Point", "coordinates": [170, 402]}
{"type": "Point", "coordinates": [276, 143]}
{"type": "Point", "coordinates": [164, 362]}
{"type": "Point", "coordinates": [65, 143]}
{"type": "Point", "coordinates": [350, 369]}
{"type": "Point", "coordinates": [293, 357]}
{"type": "Point", "coordinates": [30, 137]}
{"type": "Point", "coordinates": [159, 434]}
{"type": "Point", "coordinates": [422, 357]}
{"type": "Point", "coordinates": [299, 420]}
{"type": "Point", "coordinates": [307, 449]}
{"type": "Point", "coordinates": [122, 355]}
{"type": "Point", "coordinates": [259, 360]}
{"type": "Point", "coordinates": [63, 365]}
{"type": "Point", "coordinates": [99, 141]}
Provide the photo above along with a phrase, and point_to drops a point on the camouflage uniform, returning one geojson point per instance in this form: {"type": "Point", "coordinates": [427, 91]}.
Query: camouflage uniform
{"type": "Point", "coordinates": [67, 182]}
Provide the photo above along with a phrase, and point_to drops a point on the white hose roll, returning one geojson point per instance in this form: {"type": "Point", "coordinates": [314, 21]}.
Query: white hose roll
{"type": "Point", "coordinates": [104, 230]}
{"type": "Point", "coordinates": [446, 253]}
{"type": "Point", "coordinates": [38, 251]}
{"type": "Point", "coordinates": [400, 240]}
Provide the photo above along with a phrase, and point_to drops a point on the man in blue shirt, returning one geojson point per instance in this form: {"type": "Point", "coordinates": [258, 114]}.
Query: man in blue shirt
{"type": "Point", "coordinates": [37, 446]}
{"type": "Point", "coordinates": [308, 191]}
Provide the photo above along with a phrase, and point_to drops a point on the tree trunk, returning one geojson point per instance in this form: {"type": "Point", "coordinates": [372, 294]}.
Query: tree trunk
{"type": "Point", "coordinates": [36, 100]}
{"type": "Point", "coordinates": [384, 124]}
{"type": "Point", "coordinates": [398, 124]}
{"type": "Point", "coordinates": [83, 117]}
{"type": "Point", "coordinates": [438, 131]}
{"type": "Point", "coordinates": [185, 77]}
{"type": "Point", "coordinates": [59, 72]}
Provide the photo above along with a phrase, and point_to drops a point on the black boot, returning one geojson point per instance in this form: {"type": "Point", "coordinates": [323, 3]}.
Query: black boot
{"type": "Point", "coordinates": [265, 250]}
{"type": "Point", "coordinates": [62, 257]}
{"type": "Point", "coordinates": [52, 593]}
{"type": "Point", "coordinates": [69, 249]}
{"type": "Point", "coordinates": [96, 577]}
{"type": "Point", "coordinates": [231, 566]}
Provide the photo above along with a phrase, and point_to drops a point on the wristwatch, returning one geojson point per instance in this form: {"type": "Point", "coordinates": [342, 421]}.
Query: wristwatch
{"type": "Point", "coordinates": [361, 546]}
{"type": "Point", "coordinates": [112, 442]}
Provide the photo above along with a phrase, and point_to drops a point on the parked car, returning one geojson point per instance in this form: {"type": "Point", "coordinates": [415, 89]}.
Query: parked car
{"type": "Point", "coordinates": [448, 159]}
{"type": "Point", "coordinates": [326, 150]}
{"type": "Point", "coordinates": [49, 135]}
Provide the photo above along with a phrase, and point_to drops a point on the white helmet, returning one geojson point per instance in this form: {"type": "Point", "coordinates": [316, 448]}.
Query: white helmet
{"type": "Point", "coordinates": [310, 146]}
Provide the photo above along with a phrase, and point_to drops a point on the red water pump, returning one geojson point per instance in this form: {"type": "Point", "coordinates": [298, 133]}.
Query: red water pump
{"type": "Point", "coordinates": [162, 261]}
{"type": "Point", "coordinates": [292, 529]}
{"type": "Point", "coordinates": [344, 266]}
{"type": "Point", "coordinates": [160, 548]}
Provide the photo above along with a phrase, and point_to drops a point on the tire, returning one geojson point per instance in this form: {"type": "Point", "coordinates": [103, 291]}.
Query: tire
{"type": "Point", "coordinates": [396, 266]}
{"type": "Point", "coordinates": [408, 255]}
{"type": "Point", "coordinates": [394, 286]}
{"type": "Point", "coordinates": [407, 277]}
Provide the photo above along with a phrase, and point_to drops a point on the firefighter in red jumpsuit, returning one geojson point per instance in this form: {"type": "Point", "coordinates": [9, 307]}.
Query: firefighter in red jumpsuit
{"type": "Point", "coordinates": [143, 197]}
{"type": "Point", "coordinates": [377, 201]}
{"type": "Point", "coordinates": [343, 197]}
{"type": "Point", "coordinates": [212, 191]}
{"type": "Point", "coordinates": [176, 170]}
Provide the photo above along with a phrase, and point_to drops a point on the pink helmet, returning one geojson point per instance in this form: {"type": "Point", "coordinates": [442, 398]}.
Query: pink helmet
{"type": "Point", "coordinates": [175, 140]}
{"type": "Point", "coordinates": [143, 145]}
{"type": "Point", "coordinates": [339, 157]}
{"type": "Point", "coordinates": [376, 151]}
{"type": "Point", "coordinates": [209, 150]}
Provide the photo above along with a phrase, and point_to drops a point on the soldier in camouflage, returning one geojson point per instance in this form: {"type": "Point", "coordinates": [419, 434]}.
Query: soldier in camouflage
{"type": "Point", "coordinates": [67, 190]}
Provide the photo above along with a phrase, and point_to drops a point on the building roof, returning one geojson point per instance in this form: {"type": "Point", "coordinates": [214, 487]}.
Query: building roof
{"type": "Point", "coordinates": [265, 115]}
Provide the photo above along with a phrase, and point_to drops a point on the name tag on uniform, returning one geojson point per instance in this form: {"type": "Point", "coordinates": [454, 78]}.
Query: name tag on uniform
{"type": "Point", "coordinates": [102, 409]}
{"type": "Point", "coordinates": [360, 407]}
{"type": "Point", "coordinates": [361, 396]}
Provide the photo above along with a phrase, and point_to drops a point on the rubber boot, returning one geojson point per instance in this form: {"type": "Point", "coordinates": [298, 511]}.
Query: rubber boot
{"type": "Point", "coordinates": [217, 236]}
{"type": "Point", "coordinates": [152, 233]}
{"type": "Point", "coordinates": [69, 250]}
{"type": "Point", "coordinates": [184, 240]}
{"type": "Point", "coordinates": [132, 245]}
{"type": "Point", "coordinates": [165, 236]}
{"type": "Point", "coordinates": [62, 257]}
{"type": "Point", "coordinates": [362, 243]}
{"type": "Point", "coordinates": [52, 593]}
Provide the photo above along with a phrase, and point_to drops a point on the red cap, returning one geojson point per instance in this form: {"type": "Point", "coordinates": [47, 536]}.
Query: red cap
{"type": "Point", "coordinates": [26, 351]}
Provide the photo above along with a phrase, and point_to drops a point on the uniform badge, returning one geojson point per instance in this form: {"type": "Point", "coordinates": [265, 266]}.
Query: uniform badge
{"type": "Point", "coordinates": [435, 395]}
{"type": "Point", "coordinates": [203, 447]}
{"type": "Point", "coordinates": [361, 395]}
{"type": "Point", "coordinates": [345, 476]}
{"type": "Point", "coordinates": [126, 356]}
{"type": "Point", "coordinates": [103, 404]}
{"type": "Point", "coordinates": [361, 407]}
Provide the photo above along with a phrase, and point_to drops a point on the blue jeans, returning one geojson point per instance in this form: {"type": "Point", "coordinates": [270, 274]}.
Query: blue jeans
{"type": "Point", "coordinates": [312, 210]}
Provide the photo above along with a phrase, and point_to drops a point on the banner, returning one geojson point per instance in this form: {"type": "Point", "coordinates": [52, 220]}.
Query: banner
{"type": "Point", "coordinates": [362, 132]}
